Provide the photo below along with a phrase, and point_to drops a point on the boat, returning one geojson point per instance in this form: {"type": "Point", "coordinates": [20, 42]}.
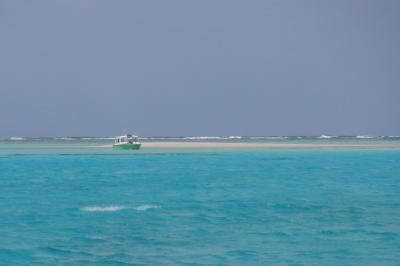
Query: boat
{"type": "Point", "coordinates": [127, 142]}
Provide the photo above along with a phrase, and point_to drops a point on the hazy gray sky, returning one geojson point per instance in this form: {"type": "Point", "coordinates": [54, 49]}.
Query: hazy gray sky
{"type": "Point", "coordinates": [159, 68]}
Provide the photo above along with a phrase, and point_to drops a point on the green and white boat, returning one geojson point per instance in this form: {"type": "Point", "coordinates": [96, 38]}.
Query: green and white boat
{"type": "Point", "coordinates": [127, 142]}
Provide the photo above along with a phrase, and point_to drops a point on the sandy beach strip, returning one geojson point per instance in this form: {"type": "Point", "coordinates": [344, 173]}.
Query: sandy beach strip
{"type": "Point", "coordinates": [250, 145]}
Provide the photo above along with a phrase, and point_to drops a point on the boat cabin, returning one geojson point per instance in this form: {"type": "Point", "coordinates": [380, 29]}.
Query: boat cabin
{"type": "Point", "coordinates": [126, 139]}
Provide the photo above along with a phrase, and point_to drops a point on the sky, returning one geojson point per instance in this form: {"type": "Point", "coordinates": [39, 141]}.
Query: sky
{"type": "Point", "coordinates": [199, 68]}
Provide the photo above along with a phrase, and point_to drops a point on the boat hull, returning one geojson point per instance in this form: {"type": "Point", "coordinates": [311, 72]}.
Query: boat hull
{"type": "Point", "coordinates": [134, 146]}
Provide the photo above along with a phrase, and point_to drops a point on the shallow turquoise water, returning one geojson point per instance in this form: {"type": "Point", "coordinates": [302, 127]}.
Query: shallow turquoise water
{"type": "Point", "coordinates": [210, 207]}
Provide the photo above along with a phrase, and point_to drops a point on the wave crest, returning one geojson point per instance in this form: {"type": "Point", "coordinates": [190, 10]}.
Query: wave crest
{"type": "Point", "coordinates": [326, 137]}
{"type": "Point", "coordinates": [364, 137]}
{"type": "Point", "coordinates": [116, 208]}
{"type": "Point", "coordinates": [103, 209]}
{"type": "Point", "coordinates": [146, 207]}
{"type": "Point", "coordinates": [16, 138]}
{"type": "Point", "coordinates": [203, 137]}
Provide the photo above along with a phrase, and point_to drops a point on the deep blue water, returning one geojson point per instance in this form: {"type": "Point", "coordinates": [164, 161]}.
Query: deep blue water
{"type": "Point", "coordinates": [196, 208]}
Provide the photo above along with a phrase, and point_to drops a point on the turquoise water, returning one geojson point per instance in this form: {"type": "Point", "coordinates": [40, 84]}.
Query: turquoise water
{"type": "Point", "coordinates": [193, 207]}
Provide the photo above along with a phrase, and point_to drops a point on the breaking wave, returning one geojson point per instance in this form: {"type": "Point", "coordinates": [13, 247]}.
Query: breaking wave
{"type": "Point", "coordinates": [270, 137]}
{"type": "Point", "coordinates": [146, 207]}
{"type": "Point", "coordinates": [16, 138]}
{"type": "Point", "coordinates": [326, 137]}
{"type": "Point", "coordinates": [203, 137]}
{"type": "Point", "coordinates": [161, 138]}
{"type": "Point", "coordinates": [118, 208]}
{"type": "Point", "coordinates": [103, 209]}
{"type": "Point", "coordinates": [95, 138]}
{"type": "Point", "coordinates": [234, 137]}
{"type": "Point", "coordinates": [364, 137]}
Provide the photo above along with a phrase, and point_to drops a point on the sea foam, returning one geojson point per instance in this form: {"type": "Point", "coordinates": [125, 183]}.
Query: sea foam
{"type": "Point", "coordinates": [115, 208]}
{"type": "Point", "coordinates": [146, 207]}
{"type": "Point", "coordinates": [204, 137]}
{"type": "Point", "coordinates": [235, 137]}
{"type": "Point", "coordinates": [268, 137]}
{"type": "Point", "coordinates": [16, 138]}
{"type": "Point", "coordinates": [97, 138]}
{"type": "Point", "coordinates": [103, 209]}
{"type": "Point", "coordinates": [326, 137]}
{"type": "Point", "coordinates": [364, 137]}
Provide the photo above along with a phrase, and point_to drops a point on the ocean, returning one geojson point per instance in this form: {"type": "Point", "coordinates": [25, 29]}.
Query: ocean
{"type": "Point", "coordinates": [78, 202]}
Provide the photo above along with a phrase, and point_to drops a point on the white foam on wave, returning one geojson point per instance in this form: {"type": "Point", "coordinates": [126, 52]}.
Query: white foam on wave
{"type": "Point", "coordinates": [97, 138]}
{"type": "Point", "coordinates": [146, 207]}
{"type": "Point", "coordinates": [326, 137]}
{"type": "Point", "coordinates": [204, 137]}
{"type": "Point", "coordinates": [234, 137]}
{"type": "Point", "coordinates": [270, 137]}
{"type": "Point", "coordinates": [160, 138]}
{"type": "Point", "coordinates": [276, 137]}
{"type": "Point", "coordinates": [103, 209]}
{"type": "Point", "coordinates": [16, 138]}
{"type": "Point", "coordinates": [116, 208]}
{"type": "Point", "coordinates": [364, 137]}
